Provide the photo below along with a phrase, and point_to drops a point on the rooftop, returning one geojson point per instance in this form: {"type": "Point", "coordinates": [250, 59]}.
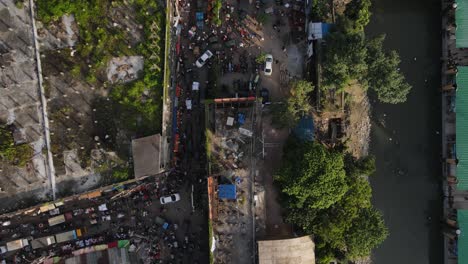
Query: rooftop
{"type": "Point", "coordinates": [146, 156]}
{"type": "Point", "coordinates": [298, 250]}
{"type": "Point", "coordinates": [461, 128]}
{"type": "Point", "coordinates": [461, 19]}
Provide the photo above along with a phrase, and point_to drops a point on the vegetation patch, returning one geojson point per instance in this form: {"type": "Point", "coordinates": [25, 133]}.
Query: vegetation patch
{"type": "Point", "coordinates": [17, 155]}
{"type": "Point", "coordinates": [350, 55]}
{"type": "Point", "coordinates": [116, 112]}
{"type": "Point", "coordinates": [326, 193]}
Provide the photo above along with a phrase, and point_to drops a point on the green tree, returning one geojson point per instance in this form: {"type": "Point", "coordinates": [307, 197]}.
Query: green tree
{"type": "Point", "coordinates": [383, 75]}
{"type": "Point", "coordinates": [312, 176]}
{"type": "Point", "coordinates": [288, 113]}
{"type": "Point", "coordinates": [327, 194]}
{"type": "Point", "coordinates": [344, 60]}
{"type": "Point", "coordinates": [368, 230]}
{"type": "Point", "coordinates": [357, 15]}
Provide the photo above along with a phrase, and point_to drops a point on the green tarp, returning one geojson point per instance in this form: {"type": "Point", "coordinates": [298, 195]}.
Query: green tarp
{"type": "Point", "coordinates": [123, 243]}
{"type": "Point", "coordinates": [462, 128]}
{"type": "Point", "coordinates": [461, 19]}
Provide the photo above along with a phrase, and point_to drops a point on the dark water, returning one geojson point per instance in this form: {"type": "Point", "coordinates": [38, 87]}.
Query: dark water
{"type": "Point", "coordinates": [406, 184]}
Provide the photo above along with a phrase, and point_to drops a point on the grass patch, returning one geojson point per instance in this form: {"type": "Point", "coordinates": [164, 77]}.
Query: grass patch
{"type": "Point", "coordinates": [17, 155]}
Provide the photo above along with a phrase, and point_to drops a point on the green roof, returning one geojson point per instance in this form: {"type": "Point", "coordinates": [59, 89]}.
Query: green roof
{"type": "Point", "coordinates": [462, 128]}
{"type": "Point", "coordinates": [462, 220]}
{"type": "Point", "coordinates": [461, 19]}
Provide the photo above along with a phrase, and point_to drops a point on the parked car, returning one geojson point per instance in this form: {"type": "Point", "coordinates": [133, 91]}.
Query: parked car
{"type": "Point", "coordinates": [202, 60]}
{"type": "Point", "coordinates": [170, 198]}
{"type": "Point", "coordinates": [268, 64]}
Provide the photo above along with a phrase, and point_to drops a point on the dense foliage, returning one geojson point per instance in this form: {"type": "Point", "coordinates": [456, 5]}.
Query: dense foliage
{"type": "Point", "coordinates": [326, 194]}
{"type": "Point", "coordinates": [13, 154]}
{"type": "Point", "coordinates": [288, 113]}
{"type": "Point", "coordinates": [349, 55]}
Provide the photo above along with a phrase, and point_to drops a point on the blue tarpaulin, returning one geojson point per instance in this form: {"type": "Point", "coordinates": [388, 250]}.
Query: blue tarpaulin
{"type": "Point", "coordinates": [227, 191]}
{"type": "Point", "coordinates": [305, 129]}
{"type": "Point", "coordinates": [241, 118]}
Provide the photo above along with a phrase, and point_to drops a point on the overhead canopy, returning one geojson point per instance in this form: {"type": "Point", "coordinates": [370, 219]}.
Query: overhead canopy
{"type": "Point", "coordinates": [227, 191]}
{"type": "Point", "coordinates": [298, 250]}
{"type": "Point", "coordinates": [461, 20]}
{"type": "Point", "coordinates": [462, 219]}
{"type": "Point", "coordinates": [462, 128]}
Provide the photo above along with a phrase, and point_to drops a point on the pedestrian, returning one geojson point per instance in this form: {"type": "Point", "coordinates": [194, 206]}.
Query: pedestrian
{"type": "Point", "coordinates": [276, 61]}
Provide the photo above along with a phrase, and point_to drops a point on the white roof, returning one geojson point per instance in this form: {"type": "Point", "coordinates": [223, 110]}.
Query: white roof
{"type": "Point", "coordinates": [195, 86]}
{"type": "Point", "coordinates": [315, 31]}
{"type": "Point", "coordinates": [102, 207]}
{"type": "Point", "coordinates": [230, 121]}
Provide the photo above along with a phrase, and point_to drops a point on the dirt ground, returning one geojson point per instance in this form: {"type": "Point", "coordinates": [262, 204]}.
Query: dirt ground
{"type": "Point", "coordinates": [358, 121]}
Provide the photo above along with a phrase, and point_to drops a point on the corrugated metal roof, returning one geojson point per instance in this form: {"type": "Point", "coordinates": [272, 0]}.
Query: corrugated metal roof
{"type": "Point", "coordinates": [461, 19]}
{"type": "Point", "coordinates": [462, 128]}
{"type": "Point", "coordinates": [462, 219]}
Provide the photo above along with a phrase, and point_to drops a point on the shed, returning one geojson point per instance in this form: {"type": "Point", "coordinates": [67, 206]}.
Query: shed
{"type": "Point", "coordinates": [298, 250]}
{"type": "Point", "coordinates": [227, 191]}
{"type": "Point", "coordinates": [317, 30]}
{"type": "Point", "coordinates": [65, 236]}
{"type": "Point", "coordinates": [195, 86]}
{"type": "Point", "coordinates": [56, 220]}
{"type": "Point", "coordinates": [17, 244]}
{"type": "Point", "coordinates": [42, 242]}
{"type": "Point", "coordinates": [146, 156]}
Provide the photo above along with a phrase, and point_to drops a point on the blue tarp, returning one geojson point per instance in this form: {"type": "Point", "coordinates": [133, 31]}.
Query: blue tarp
{"type": "Point", "coordinates": [305, 129]}
{"type": "Point", "coordinates": [227, 191]}
{"type": "Point", "coordinates": [241, 118]}
{"type": "Point", "coordinates": [325, 29]}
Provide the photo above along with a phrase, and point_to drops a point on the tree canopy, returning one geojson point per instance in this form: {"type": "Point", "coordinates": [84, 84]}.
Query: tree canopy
{"type": "Point", "coordinates": [358, 14]}
{"type": "Point", "coordinates": [327, 194]}
{"type": "Point", "coordinates": [297, 105]}
{"type": "Point", "coordinates": [316, 180]}
{"type": "Point", "coordinates": [383, 74]}
{"type": "Point", "coordinates": [349, 55]}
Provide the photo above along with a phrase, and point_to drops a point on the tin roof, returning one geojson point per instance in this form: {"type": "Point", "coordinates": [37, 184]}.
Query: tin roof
{"type": "Point", "coordinates": [462, 128]}
{"type": "Point", "coordinates": [298, 250]}
{"type": "Point", "coordinates": [462, 219]}
{"type": "Point", "coordinates": [461, 19]}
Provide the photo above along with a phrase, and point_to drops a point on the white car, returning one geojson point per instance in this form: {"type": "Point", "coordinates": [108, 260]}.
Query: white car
{"type": "Point", "coordinates": [170, 198]}
{"type": "Point", "coordinates": [201, 61]}
{"type": "Point", "coordinates": [268, 64]}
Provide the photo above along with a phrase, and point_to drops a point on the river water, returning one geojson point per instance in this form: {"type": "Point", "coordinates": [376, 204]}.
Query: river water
{"type": "Point", "coordinates": [405, 138]}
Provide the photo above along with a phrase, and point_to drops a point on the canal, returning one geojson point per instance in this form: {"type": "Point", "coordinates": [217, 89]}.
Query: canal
{"type": "Point", "coordinates": [405, 137]}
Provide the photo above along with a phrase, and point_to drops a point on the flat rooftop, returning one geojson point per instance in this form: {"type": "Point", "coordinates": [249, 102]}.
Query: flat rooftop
{"type": "Point", "coordinates": [298, 250]}
{"type": "Point", "coordinates": [146, 156]}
